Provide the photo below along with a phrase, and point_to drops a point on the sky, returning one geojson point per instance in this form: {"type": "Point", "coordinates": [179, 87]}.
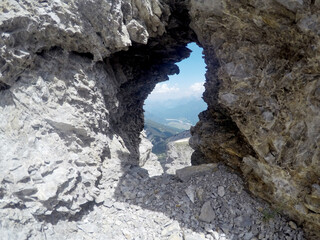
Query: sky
{"type": "Point", "coordinates": [187, 84]}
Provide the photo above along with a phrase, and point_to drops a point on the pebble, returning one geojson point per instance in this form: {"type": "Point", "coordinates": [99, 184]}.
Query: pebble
{"type": "Point", "coordinates": [292, 225]}
{"type": "Point", "coordinates": [221, 191]}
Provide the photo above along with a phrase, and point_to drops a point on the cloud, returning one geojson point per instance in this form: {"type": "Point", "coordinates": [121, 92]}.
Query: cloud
{"type": "Point", "coordinates": [197, 88]}
{"type": "Point", "coordinates": [163, 88]}
{"type": "Point", "coordinates": [164, 91]}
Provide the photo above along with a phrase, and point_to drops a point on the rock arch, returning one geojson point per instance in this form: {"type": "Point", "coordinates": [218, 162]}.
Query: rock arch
{"type": "Point", "coordinates": [74, 77]}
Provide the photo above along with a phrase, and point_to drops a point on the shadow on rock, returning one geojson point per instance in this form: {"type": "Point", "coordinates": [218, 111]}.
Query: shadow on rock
{"type": "Point", "coordinates": [202, 204]}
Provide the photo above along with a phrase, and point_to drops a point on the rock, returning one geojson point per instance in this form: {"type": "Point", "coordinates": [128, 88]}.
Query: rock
{"type": "Point", "coordinates": [178, 153]}
{"type": "Point", "coordinates": [88, 227]}
{"type": "Point", "coordinates": [292, 5]}
{"type": "Point", "coordinates": [194, 236]}
{"type": "Point", "coordinates": [207, 214]}
{"type": "Point", "coordinates": [221, 191]}
{"type": "Point", "coordinates": [148, 160]}
{"type": "Point", "coordinates": [215, 235]}
{"type": "Point", "coordinates": [200, 192]}
{"type": "Point", "coordinates": [145, 149]}
{"type": "Point", "coordinates": [248, 236]}
{"type": "Point", "coordinates": [190, 193]}
{"type": "Point", "coordinates": [175, 236]}
{"type": "Point", "coordinates": [137, 32]}
{"type": "Point", "coordinates": [108, 203]}
{"type": "Point", "coordinates": [292, 225]}
{"type": "Point", "coordinates": [169, 229]}
{"type": "Point", "coordinates": [73, 79]}
{"type": "Point", "coordinates": [119, 206]}
{"type": "Point", "coordinates": [186, 173]}
{"type": "Point", "coordinates": [249, 124]}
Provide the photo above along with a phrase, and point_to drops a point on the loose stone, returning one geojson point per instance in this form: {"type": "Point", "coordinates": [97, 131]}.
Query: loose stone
{"type": "Point", "coordinates": [207, 214]}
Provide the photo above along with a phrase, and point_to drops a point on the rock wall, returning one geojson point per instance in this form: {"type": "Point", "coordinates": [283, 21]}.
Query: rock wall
{"type": "Point", "coordinates": [74, 75]}
{"type": "Point", "coordinates": [178, 155]}
{"type": "Point", "coordinates": [262, 90]}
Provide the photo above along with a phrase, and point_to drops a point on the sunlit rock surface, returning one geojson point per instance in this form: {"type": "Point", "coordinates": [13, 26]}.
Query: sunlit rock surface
{"type": "Point", "coordinates": [71, 99]}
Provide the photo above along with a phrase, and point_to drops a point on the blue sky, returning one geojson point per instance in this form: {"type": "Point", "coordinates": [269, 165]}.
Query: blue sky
{"type": "Point", "coordinates": [187, 84]}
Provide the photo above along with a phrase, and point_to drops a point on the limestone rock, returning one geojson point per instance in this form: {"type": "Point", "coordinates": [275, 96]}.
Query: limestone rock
{"type": "Point", "coordinates": [170, 228]}
{"type": "Point", "coordinates": [207, 214]}
{"type": "Point", "coordinates": [262, 116]}
{"type": "Point", "coordinates": [74, 75]}
{"type": "Point", "coordinates": [178, 155]}
{"type": "Point", "coordinates": [221, 191]}
{"type": "Point", "coordinates": [186, 173]}
{"type": "Point", "coordinates": [145, 149]}
{"type": "Point", "coordinates": [194, 236]}
{"type": "Point", "coordinates": [67, 129]}
{"type": "Point", "coordinates": [190, 191]}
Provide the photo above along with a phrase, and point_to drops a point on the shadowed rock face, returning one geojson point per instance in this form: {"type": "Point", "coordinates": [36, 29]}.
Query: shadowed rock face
{"type": "Point", "coordinates": [263, 114]}
{"type": "Point", "coordinates": [74, 76]}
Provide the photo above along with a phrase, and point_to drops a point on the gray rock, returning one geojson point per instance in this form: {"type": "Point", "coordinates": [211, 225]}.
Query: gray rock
{"type": "Point", "coordinates": [228, 131]}
{"type": "Point", "coordinates": [207, 214]}
{"type": "Point", "coordinates": [178, 154]}
{"type": "Point", "coordinates": [188, 172]}
{"type": "Point", "coordinates": [221, 191]}
{"type": "Point", "coordinates": [190, 191]}
{"type": "Point", "coordinates": [73, 78]}
{"type": "Point", "coordinates": [145, 149]}
{"type": "Point", "coordinates": [292, 225]}
{"type": "Point", "coordinates": [292, 5]}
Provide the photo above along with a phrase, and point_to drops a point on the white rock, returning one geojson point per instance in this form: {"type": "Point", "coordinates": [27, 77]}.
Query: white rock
{"type": "Point", "coordinates": [137, 32]}
{"type": "Point", "coordinates": [175, 236]}
{"type": "Point", "coordinates": [194, 236]}
{"type": "Point", "coordinates": [173, 227]}
{"type": "Point", "coordinates": [215, 235]}
{"type": "Point", "coordinates": [119, 206]}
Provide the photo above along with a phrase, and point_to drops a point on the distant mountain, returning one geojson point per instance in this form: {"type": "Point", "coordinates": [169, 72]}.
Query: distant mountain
{"type": "Point", "coordinates": [152, 117]}
{"type": "Point", "coordinates": [158, 133]}
{"type": "Point", "coordinates": [166, 119]}
{"type": "Point", "coordinates": [178, 113]}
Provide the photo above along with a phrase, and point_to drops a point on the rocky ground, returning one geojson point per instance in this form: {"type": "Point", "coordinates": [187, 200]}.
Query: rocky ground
{"type": "Point", "coordinates": [197, 203]}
